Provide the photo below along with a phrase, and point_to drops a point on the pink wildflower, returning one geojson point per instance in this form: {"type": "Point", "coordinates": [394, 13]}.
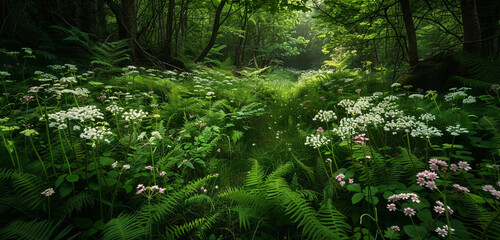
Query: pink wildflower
{"type": "Point", "coordinates": [351, 181]}
{"type": "Point", "coordinates": [393, 198]}
{"type": "Point", "coordinates": [495, 87]}
{"type": "Point", "coordinates": [320, 130]}
{"type": "Point", "coordinates": [140, 188]}
{"type": "Point", "coordinates": [339, 177]}
{"type": "Point", "coordinates": [396, 228]}
{"type": "Point", "coordinates": [433, 167]}
{"type": "Point", "coordinates": [341, 89]}
{"type": "Point", "coordinates": [115, 164]}
{"type": "Point", "coordinates": [421, 181]}
{"type": "Point", "coordinates": [163, 173]}
{"type": "Point", "coordinates": [48, 192]}
{"type": "Point", "coordinates": [442, 163]}
{"type": "Point", "coordinates": [361, 139]}
{"type": "Point", "coordinates": [488, 188]}
{"type": "Point", "coordinates": [149, 168]}
{"type": "Point", "coordinates": [464, 165]}
{"type": "Point", "coordinates": [433, 160]}
{"type": "Point", "coordinates": [431, 185]}
{"type": "Point", "coordinates": [439, 209]}
{"type": "Point", "coordinates": [432, 176]}
{"type": "Point", "coordinates": [454, 167]}
{"type": "Point", "coordinates": [358, 90]}
{"type": "Point", "coordinates": [460, 188]}
{"type": "Point", "coordinates": [409, 211]}
{"type": "Point", "coordinates": [126, 167]}
{"type": "Point", "coordinates": [391, 207]}
{"type": "Point", "coordinates": [342, 183]}
{"type": "Point", "coordinates": [328, 160]}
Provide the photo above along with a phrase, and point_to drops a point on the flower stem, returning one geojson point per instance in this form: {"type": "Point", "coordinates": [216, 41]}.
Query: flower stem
{"type": "Point", "coordinates": [39, 158]}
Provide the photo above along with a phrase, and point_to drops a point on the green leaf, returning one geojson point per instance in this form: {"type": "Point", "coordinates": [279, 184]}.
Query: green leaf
{"type": "Point", "coordinates": [65, 189]}
{"type": "Point", "coordinates": [95, 83]}
{"type": "Point", "coordinates": [72, 178]}
{"type": "Point", "coordinates": [106, 161]}
{"type": "Point", "coordinates": [59, 181]}
{"type": "Point", "coordinates": [417, 232]}
{"type": "Point", "coordinates": [357, 197]}
{"type": "Point", "coordinates": [354, 187]}
{"type": "Point", "coordinates": [476, 198]}
{"type": "Point", "coordinates": [82, 222]}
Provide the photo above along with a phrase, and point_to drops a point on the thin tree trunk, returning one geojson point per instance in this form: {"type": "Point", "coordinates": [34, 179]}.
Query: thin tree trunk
{"type": "Point", "coordinates": [241, 44]}
{"type": "Point", "coordinates": [215, 30]}
{"type": "Point", "coordinates": [169, 30]}
{"type": "Point", "coordinates": [410, 32]}
{"type": "Point", "coordinates": [488, 12]}
{"type": "Point", "coordinates": [472, 30]}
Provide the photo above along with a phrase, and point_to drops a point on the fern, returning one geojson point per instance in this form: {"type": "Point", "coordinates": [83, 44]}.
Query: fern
{"type": "Point", "coordinates": [169, 203]}
{"type": "Point", "coordinates": [35, 230]}
{"type": "Point", "coordinates": [484, 72]}
{"type": "Point", "coordinates": [334, 220]}
{"type": "Point", "coordinates": [123, 227]}
{"type": "Point", "coordinates": [28, 187]}
{"type": "Point", "coordinates": [256, 175]}
{"type": "Point", "coordinates": [76, 204]}
{"type": "Point", "coordinates": [298, 210]}
{"type": "Point", "coordinates": [202, 224]}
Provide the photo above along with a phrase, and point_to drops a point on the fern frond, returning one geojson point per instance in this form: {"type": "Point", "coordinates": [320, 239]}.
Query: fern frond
{"type": "Point", "coordinates": [171, 201]}
{"type": "Point", "coordinates": [256, 175]}
{"type": "Point", "coordinates": [123, 227]}
{"type": "Point", "coordinates": [200, 223]}
{"type": "Point", "coordinates": [35, 230]}
{"type": "Point", "coordinates": [75, 204]}
{"type": "Point", "coordinates": [333, 219]}
{"type": "Point", "coordinates": [299, 210]}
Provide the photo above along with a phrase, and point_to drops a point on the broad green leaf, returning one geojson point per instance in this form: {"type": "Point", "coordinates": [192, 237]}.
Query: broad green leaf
{"type": "Point", "coordinates": [357, 197]}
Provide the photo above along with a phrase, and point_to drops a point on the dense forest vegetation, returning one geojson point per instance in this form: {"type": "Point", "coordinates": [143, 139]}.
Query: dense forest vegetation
{"type": "Point", "coordinates": [250, 119]}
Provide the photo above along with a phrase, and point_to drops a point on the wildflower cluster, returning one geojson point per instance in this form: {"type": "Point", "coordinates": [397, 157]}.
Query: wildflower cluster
{"type": "Point", "coordinates": [495, 193]}
{"type": "Point", "coordinates": [150, 191]}
{"type": "Point", "coordinates": [456, 130]}
{"type": "Point", "coordinates": [361, 139]}
{"type": "Point", "coordinates": [81, 114]}
{"type": "Point", "coordinates": [443, 232]}
{"type": "Point", "coordinates": [439, 208]}
{"type": "Point", "coordinates": [402, 196]}
{"type": "Point", "coordinates": [341, 179]}
{"type": "Point", "coordinates": [96, 134]}
{"type": "Point", "coordinates": [114, 109]}
{"type": "Point", "coordinates": [134, 116]}
{"type": "Point", "coordinates": [48, 192]}
{"type": "Point", "coordinates": [316, 141]}
{"type": "Point", "coordinates": [325, 116]}
{"type": "Point", "coordinates": [123, 168]}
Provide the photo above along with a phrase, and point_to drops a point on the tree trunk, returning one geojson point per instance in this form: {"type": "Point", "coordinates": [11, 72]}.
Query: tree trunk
{"type": "Point", "coordinates": [488, 12]}
{"type": "Point", "coordinates": [169, 29]}
{"type": "Point", "coordinates": [472, 30]}
{"type": "Point", "coordinates": [241, 44]}
{"type": "Point", "coordinates": [215, 30]}
{"type": "Point", "coordinates": [410, 32]}
{"type": "Point", "coordinates": [87, 16]}
{"type": "Point", "coordinates": [126, 19]}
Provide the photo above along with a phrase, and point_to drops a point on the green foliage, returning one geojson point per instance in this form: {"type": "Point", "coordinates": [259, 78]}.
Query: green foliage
{"type": "Point", "coordinates": [33, 230]}
{"type": "Point", "coordinates": [483, 72]}
{"type": "Point", "coordinates": [123, 227]}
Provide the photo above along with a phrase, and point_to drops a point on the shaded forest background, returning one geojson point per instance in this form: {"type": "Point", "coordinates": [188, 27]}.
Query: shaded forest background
{"type": "Point", "coordinates": [387, 36]}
